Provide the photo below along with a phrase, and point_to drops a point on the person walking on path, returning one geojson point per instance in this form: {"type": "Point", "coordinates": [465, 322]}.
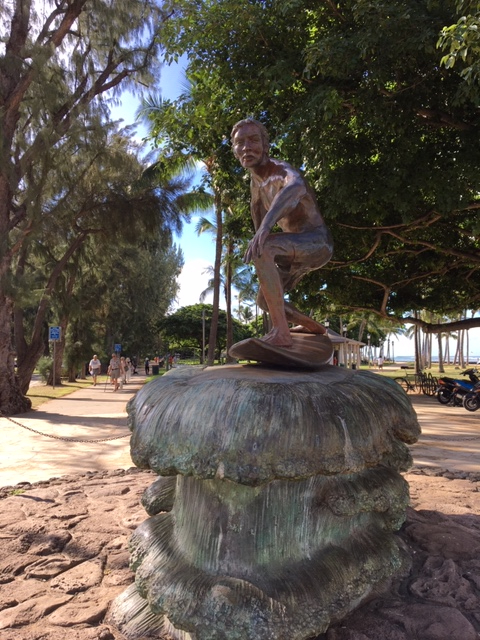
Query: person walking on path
{"type": "Point", "coordinates": [94, 368]}
{"type": "Point", "coordinates": [128, 370]}
{"type": "Point", "coordinates": [114, 370]}
{"type": "Point", "coordinates": [147, 366]}
{"type": "Point", "coordinates": [123, 372]}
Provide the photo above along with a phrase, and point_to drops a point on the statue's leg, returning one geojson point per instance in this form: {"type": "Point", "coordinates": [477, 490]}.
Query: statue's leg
{"type": "Point", "coordinates": [304, 324]}
{"type": "Point", "coordinates": [311, 252]}
{"type": "Point", "coordinates": [285, 259]}
{"type": "Point", "coordinates": [273, 294]}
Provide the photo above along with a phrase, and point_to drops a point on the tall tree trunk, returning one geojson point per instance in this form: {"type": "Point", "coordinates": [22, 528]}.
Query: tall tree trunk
{"type": "Point", "coordinates": [467, 348]}
{"type": "Point", "coordinates": [424, 342]}
{"type": "Point", "coordinates": [212, 338]}
{"type": "Point", "coordinates": [361, 329]}
{"type": "Point", "coordinates": [461, 360]}
{"type": "Point", "coordinates": [441, 368]}
{"type": "Point", "coordinates": [12, 400]}
{"type": "Point", "coordinates": [29, 353]}
{"type": "Point", "coordinates": [266, 322]}
{"type": "Point", "coordinates": [228, 296]}
{"type": "Point", "coordinates": [202, 347]}
{"type": "Point", "coordinates": [456, 357]}
{"type": "Point", "coordinates": [418, 359]}
{"type": "Point", "coordinates": [63, 324]}
{"type": "Point", "coordinates": [16, 84]}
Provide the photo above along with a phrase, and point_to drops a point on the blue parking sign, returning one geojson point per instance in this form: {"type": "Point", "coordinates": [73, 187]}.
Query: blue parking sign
{"type": "Point", "coordinates": [118, 348]}
{"type": "Point", "coordinates": [54, 333]}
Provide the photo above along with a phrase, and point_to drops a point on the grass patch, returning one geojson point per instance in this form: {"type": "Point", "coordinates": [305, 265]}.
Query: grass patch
{"type": "Point", "coordinates": [149, 378]}
{"type": "Point", "coordinates": [41, 393]}
{"type": "Point", "coordinates": [392, 371]}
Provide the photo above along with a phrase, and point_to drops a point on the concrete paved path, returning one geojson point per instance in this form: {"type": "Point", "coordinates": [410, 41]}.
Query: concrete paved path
{"type": "Point", "coordinates": [50, 441]}
{"type": "Point", "coordinates": [61, 437]}
{"type": "Point", "coordinates": [450, 436]}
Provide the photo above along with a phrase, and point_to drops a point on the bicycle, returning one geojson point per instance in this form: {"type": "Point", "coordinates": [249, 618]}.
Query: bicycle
{"type": "Point", "coordinates": [429, 385]}
{"type": "Point", "coordinates": [418, 382]}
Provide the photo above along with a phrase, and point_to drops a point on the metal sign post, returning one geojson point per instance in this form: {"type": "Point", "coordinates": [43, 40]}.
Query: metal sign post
{"type": "Point", "coordinates": [54, 335]}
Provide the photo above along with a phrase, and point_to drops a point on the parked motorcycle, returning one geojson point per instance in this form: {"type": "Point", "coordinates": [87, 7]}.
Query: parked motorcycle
{"type": "Point", "coordinates": [452, 390]}
{"type": "Point", "coordinates": [471, 400]}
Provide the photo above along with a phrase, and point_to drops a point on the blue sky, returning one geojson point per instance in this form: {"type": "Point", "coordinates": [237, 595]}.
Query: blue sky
{"type": "Point", "coordinates": [199, 251]}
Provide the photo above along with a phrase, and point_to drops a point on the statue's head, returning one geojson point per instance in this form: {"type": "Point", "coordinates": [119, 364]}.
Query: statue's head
{"type": "Point", "coordinates": [250, 142]}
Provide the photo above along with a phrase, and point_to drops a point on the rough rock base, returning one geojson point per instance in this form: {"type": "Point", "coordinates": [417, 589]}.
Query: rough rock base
{"type": "Point", "coordinates": [440, 597]}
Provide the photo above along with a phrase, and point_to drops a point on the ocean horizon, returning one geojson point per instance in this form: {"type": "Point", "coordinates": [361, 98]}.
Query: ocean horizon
{"type": "Point", "coordinates": [472, 359]}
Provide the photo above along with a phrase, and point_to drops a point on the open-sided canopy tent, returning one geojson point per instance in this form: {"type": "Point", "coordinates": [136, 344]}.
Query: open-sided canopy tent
{"type": "Point", "coordinates": [346, 350]}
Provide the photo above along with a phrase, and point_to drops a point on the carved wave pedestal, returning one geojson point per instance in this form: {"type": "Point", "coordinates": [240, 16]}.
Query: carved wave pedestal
{"type": "Point", "coordinates": [277, 502]}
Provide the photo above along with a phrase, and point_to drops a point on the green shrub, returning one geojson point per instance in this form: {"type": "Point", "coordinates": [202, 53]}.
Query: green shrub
{"type": "Point", "coordinates": [45, 367]}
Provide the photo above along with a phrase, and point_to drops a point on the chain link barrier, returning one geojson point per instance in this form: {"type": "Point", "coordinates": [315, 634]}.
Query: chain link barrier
{"type": "Point", "coordinates": [50, 435]}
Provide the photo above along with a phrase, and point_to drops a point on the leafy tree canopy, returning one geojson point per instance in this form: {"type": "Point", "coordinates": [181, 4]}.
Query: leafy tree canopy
{"type": "Point", "coordinates": [462, 43]}
{"type": "Point", "coordinates": [186, 325]}
{"type": "Point", "coordinates": [61, 65]}
{"type": "Point", "coordinates": [356, 96]}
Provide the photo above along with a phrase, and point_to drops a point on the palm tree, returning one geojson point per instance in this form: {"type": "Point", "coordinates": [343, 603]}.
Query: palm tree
{"type": "Point", "coordinates": [245, 313]}
{"type": "Point", "coordinates": [232, 274]}
{"type": "Point", "coordinates": [172, 125]}
{"type": "Point", "coordinates": [215, 282]}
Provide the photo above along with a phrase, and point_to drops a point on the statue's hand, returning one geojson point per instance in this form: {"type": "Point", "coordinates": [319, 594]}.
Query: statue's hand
{"type": "Point", "coordinates": [255, 246]}
{"type": "Point", "coordinates": [248, 253]}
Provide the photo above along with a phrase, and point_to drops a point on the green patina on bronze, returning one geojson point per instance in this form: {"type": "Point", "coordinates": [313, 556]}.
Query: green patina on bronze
{"type": "Point", "coordinates": [279, 496]}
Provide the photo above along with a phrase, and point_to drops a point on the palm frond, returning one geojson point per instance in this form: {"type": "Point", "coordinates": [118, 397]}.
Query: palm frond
{"type": "Point", "coordinates": [203, 225]}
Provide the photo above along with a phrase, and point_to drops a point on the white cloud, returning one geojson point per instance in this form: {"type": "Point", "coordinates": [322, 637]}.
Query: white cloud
{"type": "Point", "coordinates": [193, 280]}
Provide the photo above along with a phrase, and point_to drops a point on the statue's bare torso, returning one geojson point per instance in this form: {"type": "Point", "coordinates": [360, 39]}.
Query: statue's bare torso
{"type": "Point", "coordinates": [280, 196]}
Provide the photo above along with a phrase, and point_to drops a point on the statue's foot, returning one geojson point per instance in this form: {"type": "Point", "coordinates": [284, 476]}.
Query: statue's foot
{"type": "Point", "coordinates": [314, 327]}
{"type": "Point", "coordinates": [277, 338]}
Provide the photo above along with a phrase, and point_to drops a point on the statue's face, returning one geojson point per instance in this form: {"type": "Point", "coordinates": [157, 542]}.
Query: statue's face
{"type": "Point", "coordinates": [248, 146]}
